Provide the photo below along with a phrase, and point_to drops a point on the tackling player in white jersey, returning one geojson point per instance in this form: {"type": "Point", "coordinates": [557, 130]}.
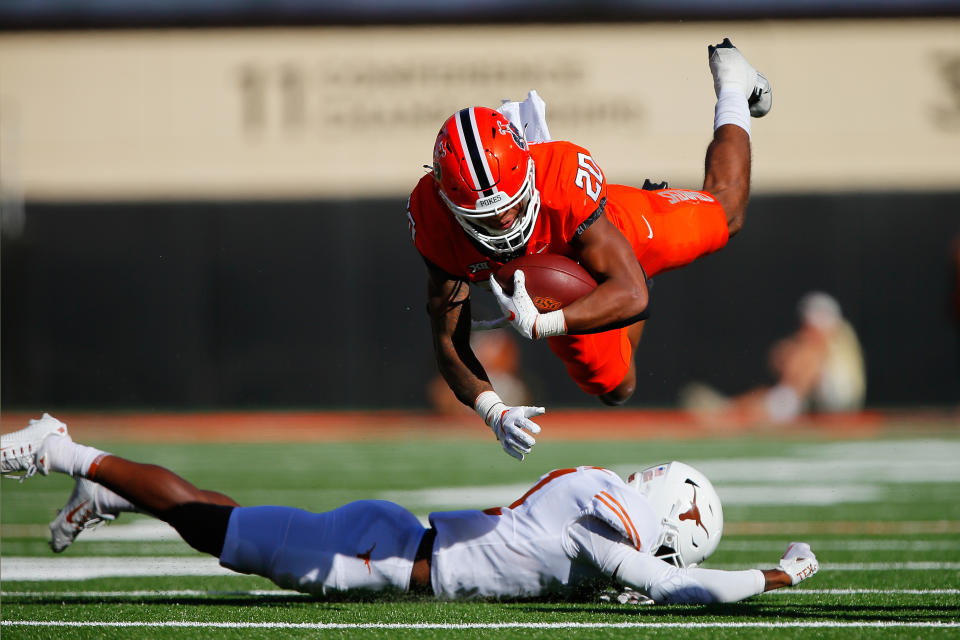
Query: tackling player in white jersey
{"type": "Point", "coordinates": [576, 530]}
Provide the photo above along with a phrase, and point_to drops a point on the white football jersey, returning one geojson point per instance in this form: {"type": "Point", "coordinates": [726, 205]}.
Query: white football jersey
{"type": "Point", "coordinates": [540, 544]}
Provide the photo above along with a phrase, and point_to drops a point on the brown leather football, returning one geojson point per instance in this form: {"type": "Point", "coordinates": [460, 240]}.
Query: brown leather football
{"type": "Point", "coordinates": [552, 280]}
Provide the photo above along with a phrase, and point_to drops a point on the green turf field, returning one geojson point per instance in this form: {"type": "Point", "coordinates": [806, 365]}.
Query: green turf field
{"type": "Point", "coordinates": [883, 516]}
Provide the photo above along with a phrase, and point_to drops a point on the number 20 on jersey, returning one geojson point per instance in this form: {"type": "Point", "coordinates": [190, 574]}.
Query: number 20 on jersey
{"type": "Point", "coordinates": [589, 178]}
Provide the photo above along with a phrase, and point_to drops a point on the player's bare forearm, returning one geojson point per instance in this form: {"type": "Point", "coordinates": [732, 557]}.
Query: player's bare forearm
{"type": "Point", "coordinates": [727, 174]}
{"type": "Point", "coordinates": [448, 304]}
{"type": "Point", "coordinates": [460, 369]}
{"type": "Point", "coordinates": [621, 296]}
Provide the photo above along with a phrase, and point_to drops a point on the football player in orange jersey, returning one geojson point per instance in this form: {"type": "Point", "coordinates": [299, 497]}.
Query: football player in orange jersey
{"type": "Point", "coordinates": [493, 196]}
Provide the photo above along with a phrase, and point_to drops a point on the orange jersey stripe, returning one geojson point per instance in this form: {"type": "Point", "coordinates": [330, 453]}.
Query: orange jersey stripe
{"type": "Point", "coordinates": [626, 515]}
{"type": "Point", "coordinates": [621, 513]}
{"type": "Point", "coordinates": [496, 511]}
{"type": "Point", "coordinates": [550, 476]}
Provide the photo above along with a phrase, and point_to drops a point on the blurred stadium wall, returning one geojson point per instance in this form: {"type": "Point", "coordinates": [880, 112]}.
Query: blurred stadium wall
{"type": "Point", "coordinates": [215, 217]}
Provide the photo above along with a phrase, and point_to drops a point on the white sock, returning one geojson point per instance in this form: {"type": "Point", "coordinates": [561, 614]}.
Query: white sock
{"type": "Point", "coordinates": [66, 456]}
{"type": "Point", "coordinates": [109, 502]}
{"type": "Point", "coordinates": [732, 108]}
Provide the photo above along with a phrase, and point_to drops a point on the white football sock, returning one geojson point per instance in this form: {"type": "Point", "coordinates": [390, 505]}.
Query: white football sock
{"type": "Point", "coordinates": [109, 502]}
{"type": "Point", "coordinates": [732, 108]}
{"type": "Point", "coordinates": [66, 456]}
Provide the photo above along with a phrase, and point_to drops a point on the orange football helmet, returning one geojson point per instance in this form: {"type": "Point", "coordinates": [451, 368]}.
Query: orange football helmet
{"type": "Point", "coordinates": [483, 167]}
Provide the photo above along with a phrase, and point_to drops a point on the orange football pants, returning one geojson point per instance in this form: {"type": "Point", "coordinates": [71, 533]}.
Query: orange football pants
{"type": "Point", "coordinates": [667, 229]}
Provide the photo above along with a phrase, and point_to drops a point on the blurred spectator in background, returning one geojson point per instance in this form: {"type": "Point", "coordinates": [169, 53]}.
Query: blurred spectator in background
{"type": "Point", "coordinates": [500, 356]}
{"type": "Point", "coordinates": [818, 368]}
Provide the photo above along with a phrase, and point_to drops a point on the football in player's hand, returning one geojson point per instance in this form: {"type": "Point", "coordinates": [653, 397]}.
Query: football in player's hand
{"type": "Point", "coordinates": [553, 281]}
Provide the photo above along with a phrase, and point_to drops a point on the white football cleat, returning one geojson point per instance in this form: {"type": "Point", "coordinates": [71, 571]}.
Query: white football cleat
{"type": "Point", "coordinates": [81, 512]}
{"type": "Point", "coordinates": [25, 450]}
{"type": "Point", "coordinates": [761, 100]}
{"type": "Point", "coordinates": [731, 69]}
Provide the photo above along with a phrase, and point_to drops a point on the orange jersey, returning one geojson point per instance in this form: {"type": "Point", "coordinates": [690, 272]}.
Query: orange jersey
{"type": "Point", "coordinates": [667, 228]}
{"type": "Point", "coordinates": [572, 189]}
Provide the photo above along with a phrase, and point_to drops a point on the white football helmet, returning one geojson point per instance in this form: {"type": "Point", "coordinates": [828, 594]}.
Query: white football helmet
{"type": "Point", "coordinates": [688, 507]}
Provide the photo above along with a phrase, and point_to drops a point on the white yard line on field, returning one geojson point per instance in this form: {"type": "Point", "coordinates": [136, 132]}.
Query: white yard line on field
{"type": "Point", "coordinates": [860, 566]}
{"type": "Point", "coordinates": [46, 569]}
{"type": "Point", "coordinates": [798, 624]}
{"type": "Point", "coordinates": [143, 530]}
{"type": "Point", "coordinates": [850, 544]}
{"type": "Point", "coordinates": [27, 568]}
{"type": "Point", "coordinates": [284, 593]}
{"type": "Point", "coordinates": [172, 593]}
{"type": "Point", "coordinates": [849, 592]}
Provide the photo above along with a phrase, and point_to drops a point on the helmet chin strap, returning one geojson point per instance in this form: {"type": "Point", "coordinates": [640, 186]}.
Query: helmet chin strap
{"type": "Point", "coordinates": [495, 243]}
{"type": "Point", "coordinates": [513, 239]}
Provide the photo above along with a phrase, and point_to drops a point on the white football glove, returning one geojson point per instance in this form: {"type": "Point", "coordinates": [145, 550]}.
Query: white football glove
{"type": "Point", "coordinates": [627, 596]}
{"type": "Point", "coordinates": [522, 313]}
{"type": "Point", "coordinates": [508, 423]}
{"type": "Point", "coordinates": [731, 70]}
{"type": "Point", "coordinates": [798, 562]}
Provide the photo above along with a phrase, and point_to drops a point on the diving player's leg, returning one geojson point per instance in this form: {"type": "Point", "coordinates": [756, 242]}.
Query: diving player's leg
{"type": "Point", "coordinates": [624, 390]}
{"type": "Point", "coordinates": [199, 516]}
{"type": "Point", "coordinates": [601, 363]}
{"type": "Point", "coordinates": [45, 445]}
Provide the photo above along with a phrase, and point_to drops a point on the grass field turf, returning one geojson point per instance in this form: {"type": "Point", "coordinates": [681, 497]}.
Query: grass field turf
{"type": "Point", "coordinates": [882, 515]}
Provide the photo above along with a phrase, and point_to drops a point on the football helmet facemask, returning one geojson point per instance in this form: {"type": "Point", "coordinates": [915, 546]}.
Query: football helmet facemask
{"type": "Point", "coordinates": [483, 168]}
{"type": "Point", "coordinates": [689, 510]}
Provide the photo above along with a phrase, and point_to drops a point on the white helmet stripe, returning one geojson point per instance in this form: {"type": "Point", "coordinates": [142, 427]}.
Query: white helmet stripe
{"type": "Point", "coordinates": [473, 151]}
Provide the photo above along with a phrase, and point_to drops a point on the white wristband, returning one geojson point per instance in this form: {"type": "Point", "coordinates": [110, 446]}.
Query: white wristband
{"type": "Point", "coordinates": [486, 406]}
{"type": "Point", "coordinates": [732, 108]}
{"type": "Point", "coordinates": [550, 324]}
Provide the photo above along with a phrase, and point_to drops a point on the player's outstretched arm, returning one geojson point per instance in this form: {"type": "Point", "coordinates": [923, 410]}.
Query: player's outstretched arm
{"type": "Point", "coordinates": [666, 584]}
{"type": "Point", "coordinates": [448, 303]}
{"type": "Point", "coordinates": [742, 92]}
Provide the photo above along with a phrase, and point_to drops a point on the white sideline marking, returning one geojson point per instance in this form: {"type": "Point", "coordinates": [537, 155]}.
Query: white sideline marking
{"type": "Point", "coordinates": [879, 544]}
{"type": "Point", "coordinates": [173, 593]}
{"type": "Point", "coordinates": [277, 593]}
{"type": "Point", "coordinates": [27, 568]}
{"type": "Point", "coordinates": [798, 624]}
{"type": "Point", "coordinates": [886, 566]}
{"type": "Point", "coordinates": [848, 592]}
{"type": "Point", "coordinates": [858, 566]}
{"type": "Point", "coordinates": [884, 462]}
